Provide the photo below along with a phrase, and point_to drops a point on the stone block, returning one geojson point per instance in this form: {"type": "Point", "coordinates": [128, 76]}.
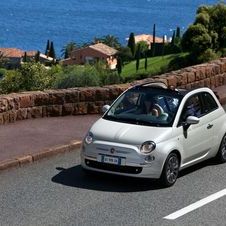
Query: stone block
{"type": "Point", "coordinates": [207, 82]}
{"type": "Point", "coordinates": [68, 109]}
{"type": "Point", "coordinates": [72, 96]}
{"type": "Point", "coordinates": [12, 116]}
{"type": "Point", "coordinates": [26, 101]}
{"type": "Point", "coordinates": [41, 99]}
{"type": "Point", "coordinates": [5, 117]}
{"type": "Point", "coordinates": [3, 105]}
{"type": "Point", "coordinates": [191, 77]}
{"type": "Point", "coordinates": [56, 97]}
{"type": "Point", "coordinates": [22, 114]}
{"type": "Point", "coordinates": [92, 108]}
{"type": "Point", "coordinates": [87, 94]}
{"type": "Point", "coordinates": [44, 111]}
{"type": "Point", "coordinates": [81, 108]}
{"type": "Point", "coordinates": [101, 94]}
{"type": "Point", "coordinates": [36, 112]}
{"type": "Point", "coordinates": [219, 80]}
{"type": "Point", "coordinates": [172, 80]}
{"type": "Point", "coordinates": [1, 119]}
{"type": "Point", "coordinates": [54, 110]}
{"type": "Point", "coordinates": [212, 82]}
{"type": "Point", "coordinates": [200, 74]}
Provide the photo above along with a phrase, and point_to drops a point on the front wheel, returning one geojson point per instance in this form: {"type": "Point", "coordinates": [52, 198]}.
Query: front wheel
{"type": "Point", "coordinates": [170, 170]}
{"type": "Point", "coordinates": [221, 154]}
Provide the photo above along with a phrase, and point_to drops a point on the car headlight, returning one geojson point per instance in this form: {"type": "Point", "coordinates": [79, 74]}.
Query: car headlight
{"type": "Point", "coordinates": [89, 138]}
{"type": "Point", "coordinates": [147, 147]}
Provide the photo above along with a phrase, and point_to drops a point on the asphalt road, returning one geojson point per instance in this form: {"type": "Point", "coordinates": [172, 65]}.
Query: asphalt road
{"type": "Point", "coordinates": [56, 192]}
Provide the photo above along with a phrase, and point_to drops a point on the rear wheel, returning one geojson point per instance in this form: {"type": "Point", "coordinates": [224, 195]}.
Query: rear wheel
{"type": "Point", "coordinates": [170, 170]}
{"type": "Point", "coordinates": [221, 154]}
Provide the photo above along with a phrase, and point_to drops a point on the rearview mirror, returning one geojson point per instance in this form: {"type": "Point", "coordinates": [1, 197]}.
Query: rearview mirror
{"type": "Point", "coordinates": [105, 108]}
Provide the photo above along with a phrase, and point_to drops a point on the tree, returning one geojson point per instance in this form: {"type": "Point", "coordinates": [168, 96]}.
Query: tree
{"type": "Point", "coordinates": [119, 65]}
{"type": "Point", "coordinates": [25, 57]}
{"type": "Point", "coordinates": [196, 39]}
{"type": "Point", "coordinates": [207, 33]}
{"type": "Point", "coordinates": [146, 62]}
{"type": "Point", "coordinates": [68, 49]}
{"type": "Point", "coordinates": [173, 38]}
{"type": "Point", "coordinates": [131, 43]}
{"type": "Point", "coordinates": [52, 51]}
{"type": "Point", "coordinates": [153, 46]}
{"type": "Point", "coordinates": [47, 48]}
{"type": "Point", "coordinates": [163, 45]}
{"type": "Point", "coordinates": [143, 48]}
{"type": "Point", "coordinates": [37, 57]}
{"type": "Point", "coordinates": [3, 60]}
{"type": "Point", "coordinates": [125, 54]}
{"type": "Point", "coordinates": [138, 57]}
{"type": "Point", "coordinates": [111, 41]}
{"type": "Point", "coordinates": [178, 33]}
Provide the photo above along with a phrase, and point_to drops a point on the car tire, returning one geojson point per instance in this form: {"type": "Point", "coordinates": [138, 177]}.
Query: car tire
{"type": "Point", "coordinates": [170, 170]}
{"type": "Point", "coordinates": [221, 154]}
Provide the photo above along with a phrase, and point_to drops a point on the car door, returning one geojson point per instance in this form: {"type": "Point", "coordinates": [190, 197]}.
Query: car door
{"type": "Point", "coordinates": [196, 139]}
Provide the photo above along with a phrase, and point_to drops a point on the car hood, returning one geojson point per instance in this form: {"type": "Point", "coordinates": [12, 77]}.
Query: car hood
{"type": "Point", "coordinates": [112, 131]}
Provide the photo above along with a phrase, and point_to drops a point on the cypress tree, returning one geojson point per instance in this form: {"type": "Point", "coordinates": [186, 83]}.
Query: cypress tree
{"type": "Point", "coordinates": [37, 56]}
{"type": "Point", "coordinates": [131, 43]}
{"type": "Point", "coordinates": [66, 55]}
{"type": "Point", "coordinates": [153, 46]}
{"type": "Point", "coordinates": [52, 51]}
{"type": "Point", "coordinates": [119, 65]}
{"type": "Point", "coordinates": [163, 45]}
{"type": "Point", "coordinates": [47, 48]}
{"type": "Point", "coordinates": [25, 57]}
{"type": "Point", "coordinates": [178, 32]}
{"type": "Point", "coordinates": [138, 57]}
{"type": "Point", "coordinates": [173, 38]}
{"type": "Point", "coordinates": [146, 62]}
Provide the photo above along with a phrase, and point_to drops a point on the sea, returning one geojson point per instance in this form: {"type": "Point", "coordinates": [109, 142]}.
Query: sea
{"type": "Point", "coordinates": [28, 24]}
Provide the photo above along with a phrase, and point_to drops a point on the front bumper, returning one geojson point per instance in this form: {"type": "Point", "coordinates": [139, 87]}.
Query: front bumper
{"type": "Point", "coordinates": [132, 163]}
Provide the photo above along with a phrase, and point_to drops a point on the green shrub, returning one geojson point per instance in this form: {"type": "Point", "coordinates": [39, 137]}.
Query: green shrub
{"type": "Point", "coordinates": [2, 72]}
{"type": "Point", "coordinates": [10, 82]}
{"type": "Point", "coordinates": [112, 78]}
{"type": "Point", "coordinates": [181, 62]}
{"type": "Point", "coordinates": [30, 76]}
{"type": "Point", "coordinates": [206, 56]}
{"type": "Point", "coordinates": [77, 76]}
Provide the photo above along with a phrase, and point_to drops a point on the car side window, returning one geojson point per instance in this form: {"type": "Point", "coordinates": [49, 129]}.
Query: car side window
{"type": "Point", "coordinates": [209, 104]}
{"type": "Point", "coordinates": [192, 107]}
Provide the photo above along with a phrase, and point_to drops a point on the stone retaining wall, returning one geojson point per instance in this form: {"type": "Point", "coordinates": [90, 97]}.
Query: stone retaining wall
{"type": "Point", "coordinates": [76, 101]}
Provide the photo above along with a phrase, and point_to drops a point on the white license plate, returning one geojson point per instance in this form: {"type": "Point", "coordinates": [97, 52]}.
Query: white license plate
{"type": "Point", "coordinates": [111, 160]}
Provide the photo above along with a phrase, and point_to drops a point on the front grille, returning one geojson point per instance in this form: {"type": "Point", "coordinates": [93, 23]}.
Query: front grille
{"type": "Point", "coordinates": [114, 168]}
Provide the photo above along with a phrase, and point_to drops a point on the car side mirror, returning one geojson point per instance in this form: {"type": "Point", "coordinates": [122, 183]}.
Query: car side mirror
{"type": "Point", "coordinates": [105, 108]}
{"type": "Point", "coordinates": [191, 120]}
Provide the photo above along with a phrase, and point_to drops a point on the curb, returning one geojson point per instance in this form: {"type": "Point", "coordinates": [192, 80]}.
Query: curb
{"type": "Point", "coordinates": [42, 154]}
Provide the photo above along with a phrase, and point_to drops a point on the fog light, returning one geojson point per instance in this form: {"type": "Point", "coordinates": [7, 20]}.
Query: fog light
{"type": "Point", "coordinates": [149, 158]}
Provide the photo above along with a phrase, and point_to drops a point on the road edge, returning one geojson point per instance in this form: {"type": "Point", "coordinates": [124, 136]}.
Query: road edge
{"type": "Point", "coordinates": [42, 154]}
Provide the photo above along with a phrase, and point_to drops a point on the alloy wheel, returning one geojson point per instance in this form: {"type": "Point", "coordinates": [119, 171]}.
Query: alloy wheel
{"type": "Point", "coordinates": [172, 169]}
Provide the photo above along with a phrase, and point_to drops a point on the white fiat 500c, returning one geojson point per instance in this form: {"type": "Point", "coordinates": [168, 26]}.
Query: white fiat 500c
{"type": "Point", "coordinates": [151, 131]}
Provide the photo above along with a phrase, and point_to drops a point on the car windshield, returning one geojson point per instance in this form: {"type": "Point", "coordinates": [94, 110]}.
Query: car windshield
{"type": "Point", "coordinates": [145, 106]}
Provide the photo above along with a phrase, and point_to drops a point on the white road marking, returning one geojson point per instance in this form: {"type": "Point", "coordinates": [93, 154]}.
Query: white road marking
{"type": "Point", "coordinates": [196, 205]}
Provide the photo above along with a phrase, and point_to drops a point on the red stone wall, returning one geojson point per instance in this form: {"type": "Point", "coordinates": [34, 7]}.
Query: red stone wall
{"type": "Point", "coordinates": [75, 101]}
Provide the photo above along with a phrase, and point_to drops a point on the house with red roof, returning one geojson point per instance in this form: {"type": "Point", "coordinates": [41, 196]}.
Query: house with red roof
{"type": "Point", "coordinates": [92, 54]}
{"type": "Point", "coordinates": [14, 57]}
{"type": "Point", "coordinates": [147, 38]}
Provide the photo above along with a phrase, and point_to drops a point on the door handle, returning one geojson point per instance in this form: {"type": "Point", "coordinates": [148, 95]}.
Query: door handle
{"type": "Point", "coordinates": [209, 126]}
